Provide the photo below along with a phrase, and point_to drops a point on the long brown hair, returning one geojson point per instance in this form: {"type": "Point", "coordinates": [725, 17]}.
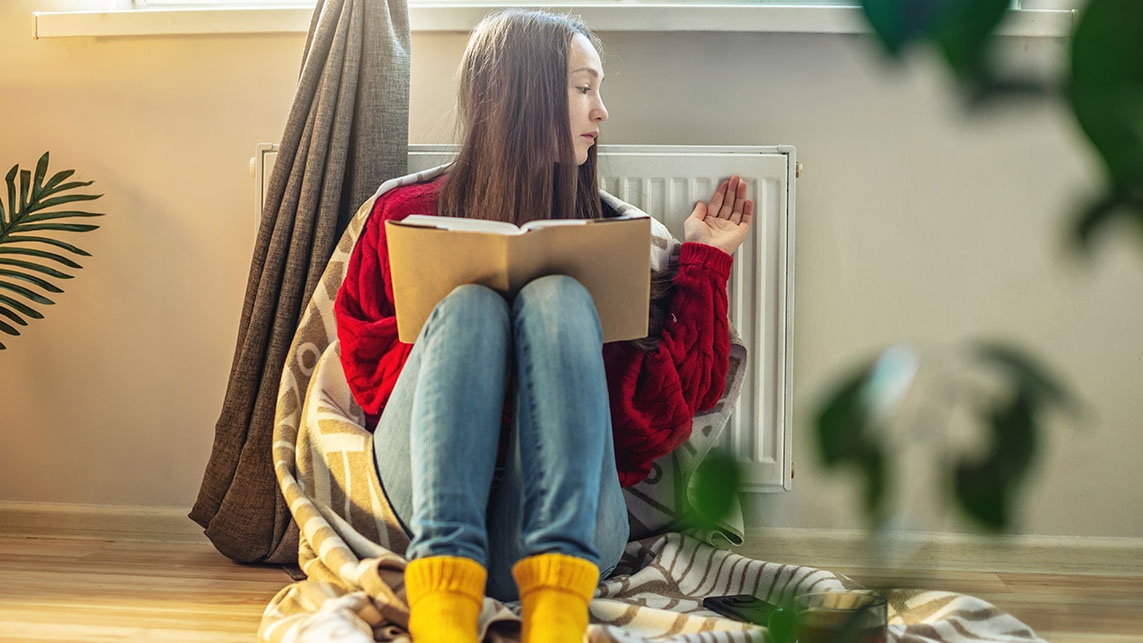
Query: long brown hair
{"type": "Point", "coordinates": [516, 161]}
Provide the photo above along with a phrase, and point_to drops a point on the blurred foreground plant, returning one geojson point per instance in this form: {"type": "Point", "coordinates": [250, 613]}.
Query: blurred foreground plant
{"type": "Point", "coordinates": [851, 427]}
{"type": "Point", "coordinates": [1103, 89]}
{"type": "Point", "coordinates": [1105, 92]}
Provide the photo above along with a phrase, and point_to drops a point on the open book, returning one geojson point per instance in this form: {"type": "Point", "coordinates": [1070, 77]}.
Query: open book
{"type": "Point", "coordinates": [430, 256]}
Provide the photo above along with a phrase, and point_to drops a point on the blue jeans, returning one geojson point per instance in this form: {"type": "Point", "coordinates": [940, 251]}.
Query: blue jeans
{"type": "Point", "coordinates": [437, 441]}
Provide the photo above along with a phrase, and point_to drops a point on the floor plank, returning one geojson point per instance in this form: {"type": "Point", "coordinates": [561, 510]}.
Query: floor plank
{"type": "Point", "coordinates": [1058, 607]}
{"type": "Point", "coordinates": [63, 590]}
{"type": "Point", "coordinates": [80, 590]}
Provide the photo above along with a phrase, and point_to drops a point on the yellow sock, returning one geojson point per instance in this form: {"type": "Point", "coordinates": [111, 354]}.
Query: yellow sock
{"type": "Point", "coordinates": [445, 594]}
{"type": "Point", "coordinates": [555, 590]}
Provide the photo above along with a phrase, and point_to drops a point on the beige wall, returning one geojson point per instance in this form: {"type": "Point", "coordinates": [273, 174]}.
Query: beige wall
{"type": "Point", "coordinates": [916, 221]}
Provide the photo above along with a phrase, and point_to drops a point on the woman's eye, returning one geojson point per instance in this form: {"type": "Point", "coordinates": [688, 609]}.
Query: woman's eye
{"type": "Point", "coordinates": [584, 90]}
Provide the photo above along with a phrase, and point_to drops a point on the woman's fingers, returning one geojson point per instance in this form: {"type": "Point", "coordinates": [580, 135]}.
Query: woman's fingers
{"type": "Point", "coordinates": [727, 209]}
{"type": "Point", "coordinates": [700, 211]}
{"type": "Point", "coordinates": [719, 197]}
{"type": "Point", "coordinates": [728, 200]}
{"type": "Point", "coordinates": [730, 204]}
{"type": "Point", "coordinates": [747, 213]}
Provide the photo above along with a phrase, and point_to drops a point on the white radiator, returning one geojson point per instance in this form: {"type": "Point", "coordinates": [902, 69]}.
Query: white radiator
{"type": "Point", "coordinates": [665, 181]}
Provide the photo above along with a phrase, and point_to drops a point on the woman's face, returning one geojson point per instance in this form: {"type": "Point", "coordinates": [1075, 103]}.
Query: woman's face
{"type": "Point", "coordinates": [585, 103]}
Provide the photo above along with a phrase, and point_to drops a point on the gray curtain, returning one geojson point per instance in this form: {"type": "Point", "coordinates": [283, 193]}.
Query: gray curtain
{"type": "Point", "coordinates": [346, 133]}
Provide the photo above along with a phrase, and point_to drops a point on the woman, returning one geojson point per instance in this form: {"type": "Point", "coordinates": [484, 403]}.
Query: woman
{"type": "Point", "coordinates": [504, 433]}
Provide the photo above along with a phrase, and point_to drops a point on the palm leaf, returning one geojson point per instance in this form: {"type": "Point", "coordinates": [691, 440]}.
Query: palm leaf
{"type": "Point", "coordinates": [58, 258]}
{"type": "Point", "coordinates": [32, 279]}
{"type": "Point", "coordinates": [16, 304]}
{"type": "Point", "coordinates": [59, 227]}
{"type": "Point", "coordinates": [27, 269]}
{"type": "Point", "coordinates": [51, 242]}
{"type": "Point", "coordinates": [13, 316]}
{"type": "Point", "coordinates": [60, 176]}
{"type": "Point", "coordinates": [28, 265]}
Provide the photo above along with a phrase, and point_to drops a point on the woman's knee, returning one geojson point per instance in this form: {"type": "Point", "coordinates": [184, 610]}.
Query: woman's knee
{"type": "Point", "coordinates": [470, 313]}
{"type": "Point", "coordinates": [557, 289]}
{"type": "Point", "coordinates": [472, 303]}
{"type": "Point", "coordinates": [556, 300]}
{"type": "Point", "coordinates": [475, 299]}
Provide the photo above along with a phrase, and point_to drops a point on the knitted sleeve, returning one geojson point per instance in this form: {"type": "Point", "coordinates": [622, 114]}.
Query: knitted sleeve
{"type": "Point", "coordinates": [654, 395]}
{"type": "Point", "coordinates": [371, 354]}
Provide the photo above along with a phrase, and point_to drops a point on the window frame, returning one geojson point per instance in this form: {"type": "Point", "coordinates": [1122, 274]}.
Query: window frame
{"type": "Point", "coordinates": [127, 18]}
{"type": "Point", "coordinates": [200, 4]}
{"type": "Point", "coordinates": [1027, 5]}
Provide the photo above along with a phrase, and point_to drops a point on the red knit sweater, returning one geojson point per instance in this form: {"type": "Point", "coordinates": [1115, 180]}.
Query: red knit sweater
{"type": "Point", "coordinates": [653, 395]}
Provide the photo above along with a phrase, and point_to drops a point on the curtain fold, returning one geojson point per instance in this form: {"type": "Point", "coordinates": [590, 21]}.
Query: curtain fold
{"type": "Point", "coordinates": [346, 133]}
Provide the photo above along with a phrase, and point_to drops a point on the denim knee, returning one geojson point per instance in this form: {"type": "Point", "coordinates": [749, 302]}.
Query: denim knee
{"type": "Point", "coordinates": [554, 288]}
{"type": "Point", "coordinates": [472, 303]}
{"type": "Point", "coordinates": [558, 300]}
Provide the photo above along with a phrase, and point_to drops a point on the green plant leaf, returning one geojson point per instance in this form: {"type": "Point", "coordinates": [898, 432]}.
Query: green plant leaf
{"type": "Point", "coordinates": [28, 265]}
{"type": "Point", "coordinates": [30, 294]}
{"type": "Point", "coordinates": [25, 189]}
{"type": "Point", "coordinates": [32, 279]}
{"type": "Point", "coordinates": [51, 203]}
{"type": "Point", "coordinates": [43, 254]}
{"type": "Point", "coordinates": [59, 227]}
{"type": "Point", "coordinates": [58, 178]}
{"type": "Point", "coordinates": [1025, 373]}
{"type": "Point", "coordinates": [713, 488]}
{"type": "Point", "coordinates": [1102, 212]}
{"type": "Point", "coordinates": [963, 32]}
{"type": "Point", "coordinates": [71, 186]}
{"type": "Point", "coordinates": [783, 624]}
{"type": "Point", "coordinates": [52, 242]}
{"type": "Point", "coordinates": [41, 172]}
{"type": "Point", "coordinates": [8, 329]}
{"type": "Point", "coordinates": [986, 485]}
{"type": "Point", "coordinates": [65, 214]}
{"type": "Point", "coordinates": [842, 418]}
{"type": "Point", "coordinates": [13, 316]}
{"type": "Point", "coordinates": [897, 22]}
{"type": "Point", "coordinates": [10, 179]}
{"type": "Point", "coordinates": [33, 206]}
{"type": "Point", "coordinates": [847, 436]}
{"type": "Point", "coordinates": [16, 304]}
{"type": "Point", "coordinates": [1106, 87]}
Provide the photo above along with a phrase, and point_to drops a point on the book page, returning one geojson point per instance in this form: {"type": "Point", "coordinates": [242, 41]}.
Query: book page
{"type": "Point", "coordinates": [497, 227]}
{"type": "Point", "coordinates": [427, 263]}
{"type": "Point", "coordinates": [453, 223]}
{"type": "Point", "coordinates": [549, 223]}
{"type": "Point", "coordinates": [610, 257]}
{"type": "Point", "coordinates": [611, 260]}
{"type": "Point", "coordinates": [539, 224]}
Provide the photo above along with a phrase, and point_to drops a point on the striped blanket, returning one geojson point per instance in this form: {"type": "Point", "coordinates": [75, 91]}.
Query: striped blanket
{"type": "Point", "coordinates": [350, 543]}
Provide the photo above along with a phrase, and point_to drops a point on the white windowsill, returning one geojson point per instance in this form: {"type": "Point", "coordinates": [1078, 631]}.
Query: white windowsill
{"type": "Point", "coordinates": [601, 17]}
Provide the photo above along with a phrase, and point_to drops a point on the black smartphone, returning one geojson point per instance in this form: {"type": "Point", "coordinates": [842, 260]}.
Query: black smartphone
{"type": "Point", "coordinates": [741, 607]}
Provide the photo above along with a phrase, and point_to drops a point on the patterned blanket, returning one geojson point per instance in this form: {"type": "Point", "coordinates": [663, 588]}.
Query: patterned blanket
{"type": "Point", "coordinates": [350, 541]}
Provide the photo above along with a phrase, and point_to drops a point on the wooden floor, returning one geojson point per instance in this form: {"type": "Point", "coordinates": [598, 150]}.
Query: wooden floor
{"type": "Point", "coordinates": [1061, 608]}
{"type": "Point", "coordinates": [83, 590]}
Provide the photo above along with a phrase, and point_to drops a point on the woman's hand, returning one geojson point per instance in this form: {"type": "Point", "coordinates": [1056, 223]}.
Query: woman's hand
{"type": "Point", "coordinates": [724, 223]}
